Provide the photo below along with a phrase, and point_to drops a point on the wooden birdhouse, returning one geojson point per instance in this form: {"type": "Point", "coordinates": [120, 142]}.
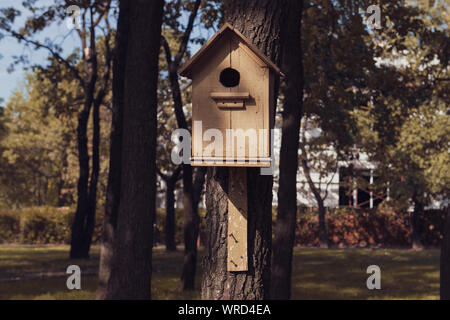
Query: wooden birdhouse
{"type": "Point", "coordinates": [232, 102]}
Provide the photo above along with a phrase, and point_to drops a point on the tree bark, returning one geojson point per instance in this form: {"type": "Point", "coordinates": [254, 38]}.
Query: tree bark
{"type": "Point", "coordinates": [261, 22]}
{"type": "Point", "coordinates": [417, 213]}
{"type": "Point", "coordinates": [284, 233]}
{"type": "Point", "coordinates": [445, 260]}
{"type": "Point", "coordinates": [130, 276]}
{"type": "Point", "coordinates": [115, 167]}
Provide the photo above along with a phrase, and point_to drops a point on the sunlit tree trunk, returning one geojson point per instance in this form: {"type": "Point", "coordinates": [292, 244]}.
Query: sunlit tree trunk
{"type": "Point", "coordinates": [261, 22]}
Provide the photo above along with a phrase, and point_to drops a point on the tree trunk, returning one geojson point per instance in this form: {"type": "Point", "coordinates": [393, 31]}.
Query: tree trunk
{"type": "Point", "coordinates": [445, 260]}
{"type": "Point", "coordinates": [416, 244]}
{"type": "Point", "coordinates": [191, 227]}
{"type": "Point", "coordinates": [323, 234]}
{"type": "Point", "coordinates": [130, 276]}
{"type": "Point", "coordinates": [284, 233]}
{"type": "Point", "coordinates": [170, 214]}
{"type": "Point", "coordinates": [78, 237]}
{"type": "Point", "coordinates": [80, 242]}
{"type": "Point", "coordinates": [92, 196]}
{"type": "Point", "coordinates": [199, 181]}
{"type": "Point", "coordinates": [62, 198]}
{"type": "Point", "coordinates": [191, 219]}
{"type": "Point", "coordinates": [261, 22]}
{"type": "Point", "coordinates": [115, 167]}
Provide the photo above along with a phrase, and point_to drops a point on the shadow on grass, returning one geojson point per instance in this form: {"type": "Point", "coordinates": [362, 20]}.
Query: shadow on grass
{"type": "Point", "coordinates": [317, 274]}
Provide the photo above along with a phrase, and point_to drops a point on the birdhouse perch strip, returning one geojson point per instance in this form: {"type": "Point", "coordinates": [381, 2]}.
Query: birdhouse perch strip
{"type": "Point", "coordinates": [237, 259]}
{"type": "Point", "coordinates": [230, 95]}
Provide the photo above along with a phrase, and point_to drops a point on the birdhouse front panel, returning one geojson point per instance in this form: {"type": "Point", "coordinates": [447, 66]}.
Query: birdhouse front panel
{"type": "Point", "coordinates": [231, 103]}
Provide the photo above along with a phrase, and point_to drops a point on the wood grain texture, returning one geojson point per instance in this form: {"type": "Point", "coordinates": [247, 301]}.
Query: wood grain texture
{"type": "Point", "coordinates": [237, 258]}
{"type": "Point", "coordinates": [244, 107]}
{"type": "Point", "coordinates": [261, 22]}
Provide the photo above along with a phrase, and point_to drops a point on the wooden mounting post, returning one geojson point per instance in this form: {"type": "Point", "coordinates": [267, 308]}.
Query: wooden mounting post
{"type": "Point", "coordinates": [237, 220]}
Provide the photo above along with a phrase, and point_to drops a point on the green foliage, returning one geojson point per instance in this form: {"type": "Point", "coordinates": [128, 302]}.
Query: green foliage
{"type": "Point", "coordinates": [41, 225]}
{"type": "Point", "coordinates": [45, 225]}
{"type": "Point", "coordinates": [52, 225]}
{"type": "Point", "coordinates": [10, 226]}
{"type": "Point", "coordinates": [37, 152]}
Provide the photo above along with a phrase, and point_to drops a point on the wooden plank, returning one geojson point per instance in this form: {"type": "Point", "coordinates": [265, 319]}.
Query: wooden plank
{"type": "Point", "coordinates": [230, 164]}
{"type": "Point", "coordinates": [230, 95]}
{"type": "Point", "coordinates": [230, 104]}
{"type": "Point", "coordinates": [237, 258]}
{"type": "Point", "coordinates": [204, 108]}
{"type": "Point", "coordinates": [254, 80]}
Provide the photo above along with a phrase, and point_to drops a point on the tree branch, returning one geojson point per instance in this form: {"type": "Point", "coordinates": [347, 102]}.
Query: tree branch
{"type": "Point", "coordinates": [187, 34]}
{"type": "Point", "coordinates": [55, 54]}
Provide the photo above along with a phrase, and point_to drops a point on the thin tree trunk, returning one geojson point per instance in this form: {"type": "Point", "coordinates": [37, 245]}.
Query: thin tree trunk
{"type": "Point", "coordinates": [115, 167]}
{"type": "Point", "coordinates": [416, 244]}
{"type": "Point", "coordinates": [191, 228]}
{"type": "Point", "coordinates": [77, 247]}
{"type": "Point", "coordinates": [62, 199]}
{"type": "Point", "coordinates": [323, 234]}
{"type": "Point", "coordinates": [130, 276]}
{"type": "Point", "coordinates": [284, 233]}
{"type": "Point", "coordinates": [80, 242]}
{"type": "Point", "coordinates": [92, 197]}
{"type": "Point", "coordinates": [261, 22]}
{"type": "Point", "coordinates": [191, 218]}
{"type": "Point", "coordinates": [170, 225]}
{"type": "Point", "coordinates": [199, 181]}
{"type": "Point", "coordinates": [445, 260]}
{"type": "Point", "coordinates": [170, 216]}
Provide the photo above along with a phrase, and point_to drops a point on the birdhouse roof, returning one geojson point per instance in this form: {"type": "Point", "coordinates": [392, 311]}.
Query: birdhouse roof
{"type": "Point", "coordinates": [186, 69]}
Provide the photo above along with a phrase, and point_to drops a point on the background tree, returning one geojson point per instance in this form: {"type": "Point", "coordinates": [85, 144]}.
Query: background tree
{"type": "Point", "coordinates": [94, 16]}
{"type": "Point", "coordinates": [130, 275]}
{"type": "Point", "coordinates": [173, 62]}
{"type": "Point", "coordinates": [38, 149]}
{"type": "Point", "coordinates": [319, 161]}
{"type": "Point", "coordinates": [404, 126]}
{"type": "Point", "coordinates": [108, 248]}
{"type": "Point", "coordinates": [292, 93]}
{"type": "Point", "coordinates": [170, 224]}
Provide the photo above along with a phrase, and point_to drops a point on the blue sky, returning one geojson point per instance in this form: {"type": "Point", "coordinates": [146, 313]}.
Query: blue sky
{"type": "Point", "coordinates": [59, 33]}
{"type": "Point", "coordinates": [10, 47]}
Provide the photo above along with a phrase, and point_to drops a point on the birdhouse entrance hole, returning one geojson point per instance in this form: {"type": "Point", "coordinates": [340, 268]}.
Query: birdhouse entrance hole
{"type": "Point", "coordinates": [229, 77]}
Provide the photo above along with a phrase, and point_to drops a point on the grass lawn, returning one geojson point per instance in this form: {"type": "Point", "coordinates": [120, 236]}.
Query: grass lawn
{"type": "Point", "coordinates": [317, 274]}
